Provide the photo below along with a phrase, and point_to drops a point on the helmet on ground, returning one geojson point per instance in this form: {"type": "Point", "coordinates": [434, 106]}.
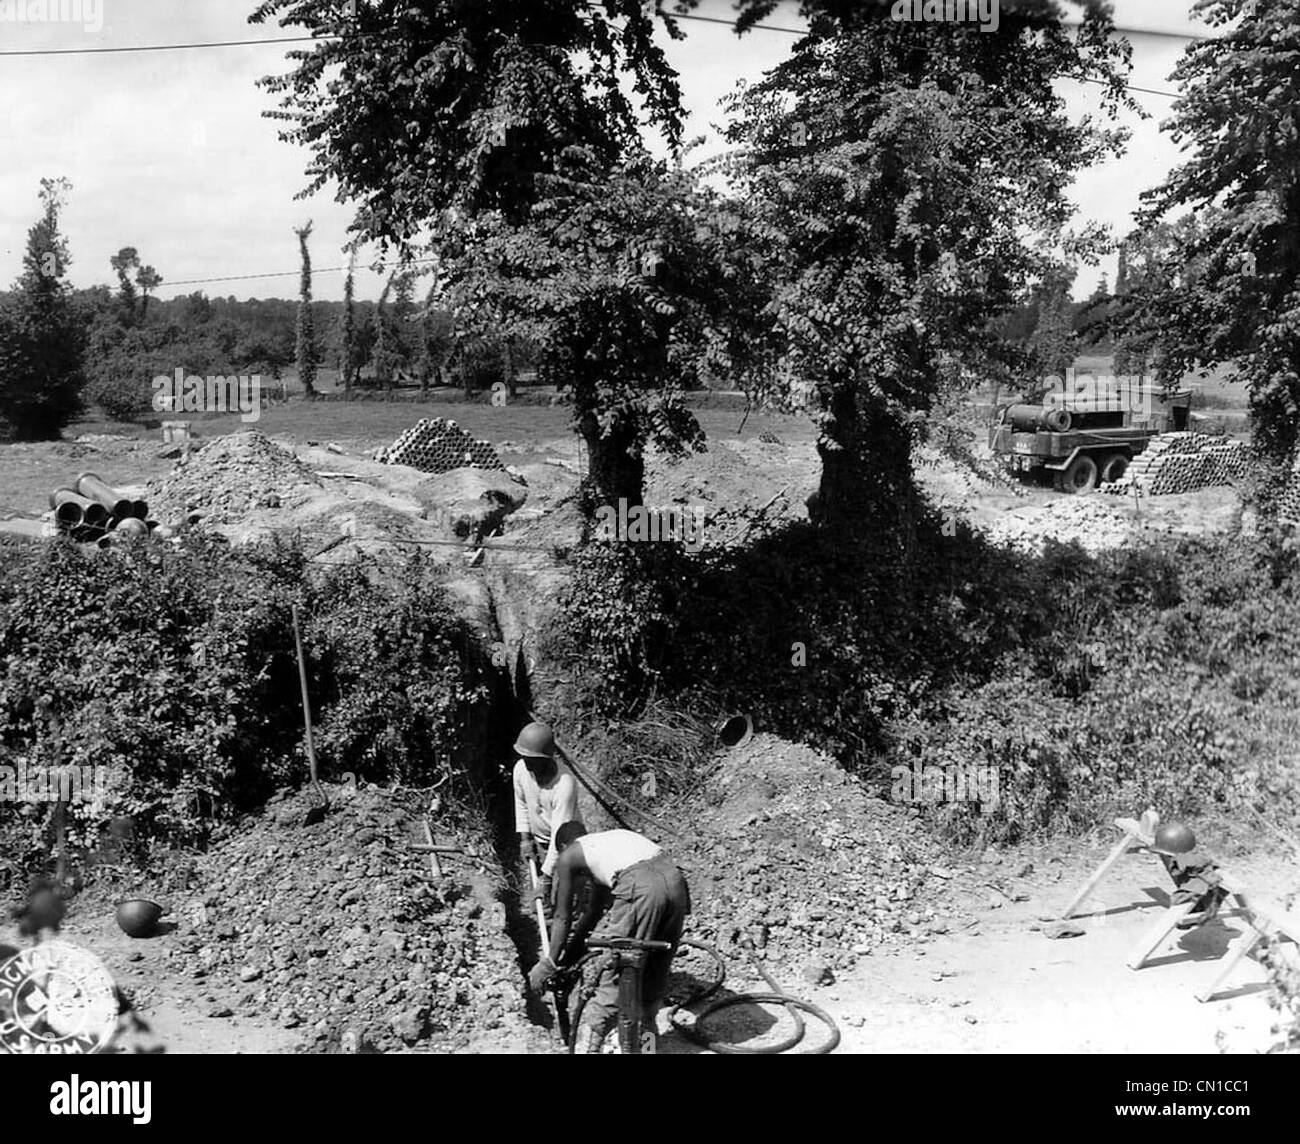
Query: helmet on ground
{"type": "Point", "coordinates": [138, 917]}
{"type": "Point", "coordinates": [1174, 838]}
{"type": "Point", "coordinates": [536, 741]}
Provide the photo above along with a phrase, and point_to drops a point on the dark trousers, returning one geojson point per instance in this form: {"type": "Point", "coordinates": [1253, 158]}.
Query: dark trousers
{"type": "Point", "coordinates": [650, 902]}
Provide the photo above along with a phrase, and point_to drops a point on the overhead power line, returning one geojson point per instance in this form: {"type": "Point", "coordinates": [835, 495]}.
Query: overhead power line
{"type": "Point", "coordinates": [295, 273]}
{"type": "Point", "coordinates": [313, 39]}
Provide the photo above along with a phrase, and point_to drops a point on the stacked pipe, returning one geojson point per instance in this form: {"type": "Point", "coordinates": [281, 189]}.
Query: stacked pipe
{"type": "Point", "coordinates": [92, 511]}
{"type": "Point", "coordinates": [438, 446]}
{"type": "Point", "coordinates": [1288, 504]}
{"type": "Point", "coordinates": [1182, 463]}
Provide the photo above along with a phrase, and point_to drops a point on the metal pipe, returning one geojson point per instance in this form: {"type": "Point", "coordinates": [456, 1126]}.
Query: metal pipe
{"type": "Point", "coordinates": [92, 512]}
{"type": "Point", "coordinates": [140, 509]}
{"type": "Point", "coordinates": [90, 485]}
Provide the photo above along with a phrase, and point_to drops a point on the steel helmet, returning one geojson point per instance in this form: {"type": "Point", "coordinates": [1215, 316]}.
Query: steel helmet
{"type": "Point", "coordinates": [138, 917]}
{"type": "Point", "coordinates": [1174, 838]}
{"type": "Point", "coordinates": [536, 741]}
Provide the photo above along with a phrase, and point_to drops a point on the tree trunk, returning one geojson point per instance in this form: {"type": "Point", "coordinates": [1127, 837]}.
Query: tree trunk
{"type": "Point", "coordinates": [866, 483]}
{"type": "Point", "coordinates": [617, 469]}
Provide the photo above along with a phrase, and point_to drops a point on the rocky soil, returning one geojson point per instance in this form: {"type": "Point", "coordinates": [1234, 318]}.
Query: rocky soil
{"type": "Point", "coordinates": [339, 933]}
{"type": "Point", "coordinates": [790, 853]}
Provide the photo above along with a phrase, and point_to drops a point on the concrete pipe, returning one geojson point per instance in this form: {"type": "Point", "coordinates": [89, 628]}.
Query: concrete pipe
{"type": "Point", "coordinates": [734, 730]}
{"type": "Point", "coordinates": [68, 515]}
{"type": "Point", "coordinates": [90, 485]}
{"type": "Point", "coordinates": [140, 509]}
{"type": "Point", "coordinates": [92, 512]}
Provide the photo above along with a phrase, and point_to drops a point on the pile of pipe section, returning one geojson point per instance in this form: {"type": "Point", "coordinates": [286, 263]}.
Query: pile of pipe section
{"type": "Point", "coordinates": [93, 512]}
{"type": "Point", "coordinates": [438, 446]}
{"type": "Point", "coordinates": [1288, 504]}
{"type": "Point", "coordinates": [1182, 463]}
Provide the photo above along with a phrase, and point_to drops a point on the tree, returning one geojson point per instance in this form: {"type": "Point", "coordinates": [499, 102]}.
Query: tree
{"type": "Point", "coordinates": [1053, 341]}
{"type": "Point", "coordinates": [1155, 261]}
{"type": "Point", "coordinates": [417, 108]}
{"type": "Point", "coordinates": [348, 347]}
{"type": "Point", "coordinates": [911, 179]}
{"type": "Point", "coordinates": [42, 338]}
{"type": "Point", "coordinates": [634, 282]}
{"type": "Point", "coordinates": [308, 353]}
{"type": "Point", "coordinates": [384, 363]}
{"type": "Point", "coordinates": [123, 262]}
{"type": "Point", "coordinates": [147, 278]}
{"type": "Point", "coordinates": [1233, 282]}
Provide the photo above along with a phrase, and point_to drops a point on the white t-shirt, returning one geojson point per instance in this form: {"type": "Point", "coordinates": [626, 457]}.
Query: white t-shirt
{"type": "Point", "coordinates": [541, 810]}
{"type": "Point", "coordinates": [609, 852]}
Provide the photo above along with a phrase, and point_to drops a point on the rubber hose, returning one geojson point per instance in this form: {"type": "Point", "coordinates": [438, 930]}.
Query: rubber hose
{"type": "Point", "coordinates": [776, 997]}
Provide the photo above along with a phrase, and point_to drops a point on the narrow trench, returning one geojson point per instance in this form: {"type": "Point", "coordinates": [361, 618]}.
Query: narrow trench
{"type": "Point", "coordinates": [507, 712]}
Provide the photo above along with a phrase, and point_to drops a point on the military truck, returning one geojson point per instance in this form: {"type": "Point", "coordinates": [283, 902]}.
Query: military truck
{"type": "Point", "coordinates": [1084, 435]}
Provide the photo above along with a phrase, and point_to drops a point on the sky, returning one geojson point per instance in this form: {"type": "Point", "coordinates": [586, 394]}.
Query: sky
{"type": "Point", "coordinates": [169, 151]}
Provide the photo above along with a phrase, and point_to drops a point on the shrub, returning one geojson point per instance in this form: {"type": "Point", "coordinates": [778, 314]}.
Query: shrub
{"type": "Point", "coordinates": [175, 670]}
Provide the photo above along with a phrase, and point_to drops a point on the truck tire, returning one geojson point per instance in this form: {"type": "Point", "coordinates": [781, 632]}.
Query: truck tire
{"type": "Point", "coordinates": [1113, 466]}
{"type": "Point", "coordinates": [1080, 477]}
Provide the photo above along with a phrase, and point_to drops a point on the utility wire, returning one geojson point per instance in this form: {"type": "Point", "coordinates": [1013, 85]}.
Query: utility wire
{"type": "Point", "coordinates": [295, 273]}
{"type": "Point", "coordinates": [317, 39]}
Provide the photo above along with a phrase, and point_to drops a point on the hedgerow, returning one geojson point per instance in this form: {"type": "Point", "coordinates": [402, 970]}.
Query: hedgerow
{"type": "Point", "coordinates": [175, 670]}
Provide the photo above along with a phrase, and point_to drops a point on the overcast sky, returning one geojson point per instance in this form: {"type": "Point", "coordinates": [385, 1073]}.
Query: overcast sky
{"type": "Point", "coordinates": [169, 152]}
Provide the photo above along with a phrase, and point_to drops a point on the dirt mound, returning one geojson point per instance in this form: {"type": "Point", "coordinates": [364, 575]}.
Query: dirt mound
{"type": "Point", "coordinates": [791, 853]}
{"type": "Point", "coordinates": [230, 477]}
{"type": "Point", "coordinates": [339, 931]}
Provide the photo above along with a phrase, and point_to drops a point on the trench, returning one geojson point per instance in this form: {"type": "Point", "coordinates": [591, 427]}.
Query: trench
{"type": "Point", "coordinates": [507, 710]}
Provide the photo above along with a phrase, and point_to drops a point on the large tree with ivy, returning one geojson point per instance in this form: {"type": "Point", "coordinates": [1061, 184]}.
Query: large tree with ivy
{"type": "Point", "coordinates": [42, 336]}
{"type": "Point", "coordinates": [913, 179]}
{"type": "Point", "coordinates": [636, 283]}
{"type": "Point", "coordinates": [1227, 289]}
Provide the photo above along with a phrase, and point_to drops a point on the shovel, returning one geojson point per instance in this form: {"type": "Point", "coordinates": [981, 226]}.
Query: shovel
{"type": "Point", "coordinates": [557, 1001]}
{"type": "Point", "coordinates": [316, 813]}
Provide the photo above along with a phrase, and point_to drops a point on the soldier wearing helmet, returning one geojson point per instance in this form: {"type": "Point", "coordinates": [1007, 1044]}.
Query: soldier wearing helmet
{"type": "Point", "coordinates": [1196, 878]}
{"type": "Point", "coordinates": [545, 796]}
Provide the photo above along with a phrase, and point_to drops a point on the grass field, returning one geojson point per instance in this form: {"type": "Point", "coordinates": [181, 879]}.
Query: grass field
{"type": "Point", "coordinates": [30, 472]}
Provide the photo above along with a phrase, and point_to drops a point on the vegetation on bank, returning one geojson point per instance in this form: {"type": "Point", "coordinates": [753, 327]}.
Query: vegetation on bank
{"type": "Point", "coordinates": [175, 670]}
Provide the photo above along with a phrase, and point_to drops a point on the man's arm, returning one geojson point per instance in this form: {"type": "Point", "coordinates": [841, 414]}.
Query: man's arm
{"type": "Point", "coordinates": [566, 810]}
{"type": "Point", "coordinates": [571, 863]}
{"type": "Point", "coordinates": [523, 828]}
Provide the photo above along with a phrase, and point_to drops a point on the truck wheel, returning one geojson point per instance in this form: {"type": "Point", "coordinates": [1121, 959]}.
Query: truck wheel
{"type": "Point", "coordinates": [1081, 476]}
{"type": "Point", "coordinates": [1113, 466]}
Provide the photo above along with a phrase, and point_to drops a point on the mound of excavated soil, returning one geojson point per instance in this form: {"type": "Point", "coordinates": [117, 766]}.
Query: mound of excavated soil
{"type": "Point", "coordinates": [339, 931]}
{"type": "Point", "coordinates": [230, 477]}
{"type": "Point", "coordinates": [786, 850]}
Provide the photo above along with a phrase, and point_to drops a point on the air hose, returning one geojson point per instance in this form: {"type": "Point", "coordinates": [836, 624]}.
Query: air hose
{"type": "Point", "coordinates": [776, 997]}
